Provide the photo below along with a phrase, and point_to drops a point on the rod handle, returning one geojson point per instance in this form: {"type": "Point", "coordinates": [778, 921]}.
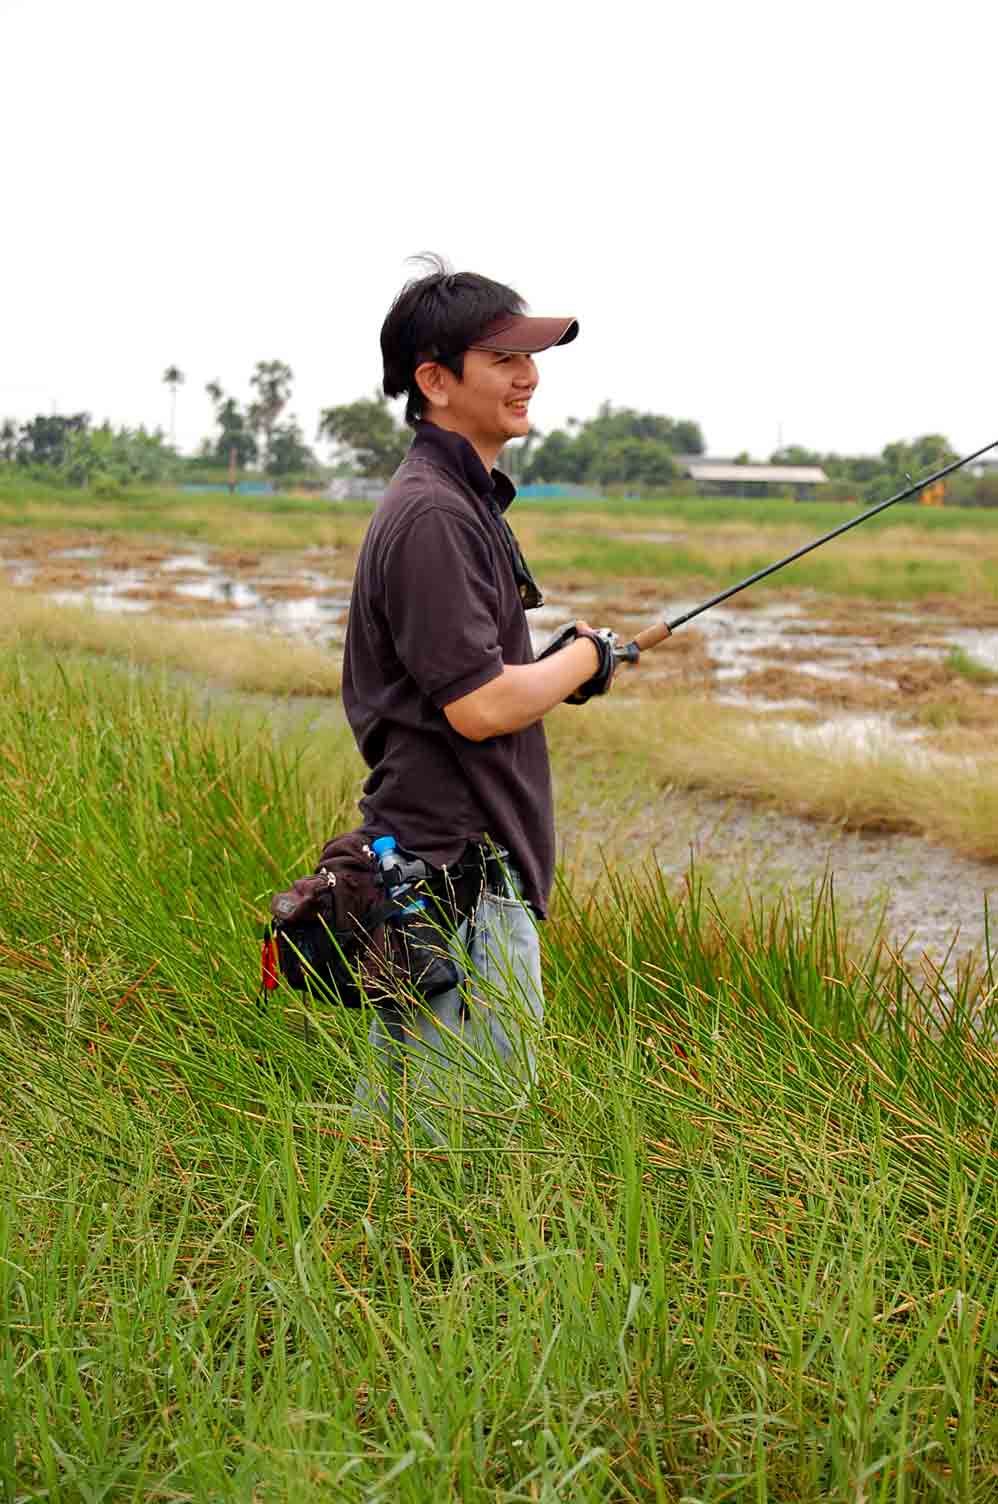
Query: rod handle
{"type": "Point", "coordinates": [649, 638]}
{"type": "Point", "coordinates": [652, 636]}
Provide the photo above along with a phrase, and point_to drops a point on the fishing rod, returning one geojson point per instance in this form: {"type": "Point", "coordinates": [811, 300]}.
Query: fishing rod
{"type": "Point", "coordinates": [659, 631]}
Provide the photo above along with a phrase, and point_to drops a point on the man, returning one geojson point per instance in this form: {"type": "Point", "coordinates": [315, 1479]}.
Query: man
{"type": "Point", "coordinates": [442, 690]}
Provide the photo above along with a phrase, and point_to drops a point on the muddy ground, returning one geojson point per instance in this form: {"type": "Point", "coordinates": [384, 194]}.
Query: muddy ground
{"type": "Point", "coordinates": [790, 649]}
{"type": "Point", "coordinates": [913, 676]}
{"type": "Point", "coordinates": [931, 902]}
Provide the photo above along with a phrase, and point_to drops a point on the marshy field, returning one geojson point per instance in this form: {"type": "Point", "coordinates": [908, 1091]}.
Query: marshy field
{"type": "Point", "coordinates": [741, 1241]}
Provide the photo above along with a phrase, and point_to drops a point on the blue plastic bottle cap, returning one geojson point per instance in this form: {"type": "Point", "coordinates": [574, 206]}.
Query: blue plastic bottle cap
{"type": "Point", "coordinates": [383, 845]}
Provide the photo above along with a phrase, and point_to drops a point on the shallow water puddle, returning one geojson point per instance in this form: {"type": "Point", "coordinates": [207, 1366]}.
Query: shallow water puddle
{"type": "Point", "coordinates": [101, 598]}
{"type": "Point", "coordinates": [981, 646]}
{"type": "Point", "coordinates": [186, 563]}
{"type": "Point", "coordinates": [191, 584]}
{"type": "Point", "coordinates": [92, 551]}
{"type": "Point", "coordinates": [782, 634]}
{"type": "Point", "coordinates": [220, 588]}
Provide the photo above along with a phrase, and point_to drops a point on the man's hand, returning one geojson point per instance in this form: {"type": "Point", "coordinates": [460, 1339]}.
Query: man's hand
{"type": "Point", "coordinates": [603, 641]}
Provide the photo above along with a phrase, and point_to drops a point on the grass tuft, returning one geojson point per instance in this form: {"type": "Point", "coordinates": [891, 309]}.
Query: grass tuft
{"type": "Point", "coordinates": [959, 661]}
{"type": "Point", "coordinates": [628, 756]}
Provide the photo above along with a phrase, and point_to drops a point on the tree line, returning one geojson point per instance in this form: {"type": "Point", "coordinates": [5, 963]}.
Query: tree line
{"type": "Point", "coordinates": [71, 451]}
{"type": "Point", "coordinates": [255, 434]}
{"type": "Point", "coordinates": [644, 453]}
{"type": "Point", "coordinates": [620, 448]}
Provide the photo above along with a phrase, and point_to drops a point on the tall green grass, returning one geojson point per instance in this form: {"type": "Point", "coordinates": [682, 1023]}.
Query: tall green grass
{"type": "Point", "coordinates": [740, 1244]}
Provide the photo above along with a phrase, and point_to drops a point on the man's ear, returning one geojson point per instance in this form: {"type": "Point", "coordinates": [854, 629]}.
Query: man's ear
{"type": "Point", "coordinates": [431, 379]}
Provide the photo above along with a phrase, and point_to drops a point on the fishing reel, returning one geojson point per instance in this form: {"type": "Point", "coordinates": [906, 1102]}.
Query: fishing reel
{"type": "Point", "coordinates": [621, 653]}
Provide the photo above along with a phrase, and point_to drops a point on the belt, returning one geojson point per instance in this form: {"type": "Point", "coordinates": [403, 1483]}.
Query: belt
{"type": "Point", "coordinates": [503, 879]}
{"type": "Point", "coordinates": [479, 869]}
{"type": "Point", "coordinates": [493, 868]}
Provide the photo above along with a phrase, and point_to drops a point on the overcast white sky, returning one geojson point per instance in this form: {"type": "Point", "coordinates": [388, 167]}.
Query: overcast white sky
{"type": "Point", "coordinates": [774, 218]}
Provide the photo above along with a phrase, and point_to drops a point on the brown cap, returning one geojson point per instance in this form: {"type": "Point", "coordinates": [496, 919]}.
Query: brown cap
{"type": "Point", "coordinates": [522, 335]}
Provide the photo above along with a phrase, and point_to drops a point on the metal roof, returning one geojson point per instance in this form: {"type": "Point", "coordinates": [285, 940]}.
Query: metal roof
{"type": "Point", "coordinates": [790, 475]}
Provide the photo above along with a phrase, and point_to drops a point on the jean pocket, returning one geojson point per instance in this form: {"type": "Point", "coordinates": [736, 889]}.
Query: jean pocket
{"type": "Point", "coordinates": [509, 950]}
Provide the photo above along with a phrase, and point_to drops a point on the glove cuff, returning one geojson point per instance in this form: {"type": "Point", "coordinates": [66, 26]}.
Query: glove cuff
{"type": "Point", "coordinates": [604, 641]}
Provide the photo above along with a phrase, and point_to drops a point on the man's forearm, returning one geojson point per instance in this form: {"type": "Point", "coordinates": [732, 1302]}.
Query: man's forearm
{"type": "Point", "coordinates": [523, 693]}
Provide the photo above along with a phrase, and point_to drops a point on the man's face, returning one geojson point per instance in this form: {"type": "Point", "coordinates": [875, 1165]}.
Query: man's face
{"type": "Point", "coordinates": [491, 403]}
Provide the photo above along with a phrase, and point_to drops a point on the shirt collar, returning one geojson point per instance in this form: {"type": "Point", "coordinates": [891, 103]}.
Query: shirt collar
{"type": "Point", "coordinates": [453, 452]}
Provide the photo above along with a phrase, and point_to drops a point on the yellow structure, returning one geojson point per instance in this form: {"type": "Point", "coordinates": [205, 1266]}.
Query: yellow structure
{"type": "Point", "coordinates": [934, 495]}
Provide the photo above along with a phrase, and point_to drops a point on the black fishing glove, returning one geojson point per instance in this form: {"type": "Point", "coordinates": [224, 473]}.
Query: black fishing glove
{"type": "Point", "coordinates": [604, 641]}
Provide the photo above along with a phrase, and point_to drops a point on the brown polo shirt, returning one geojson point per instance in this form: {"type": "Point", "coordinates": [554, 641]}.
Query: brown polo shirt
{"type": "Point", "coordinates": [435, 613]}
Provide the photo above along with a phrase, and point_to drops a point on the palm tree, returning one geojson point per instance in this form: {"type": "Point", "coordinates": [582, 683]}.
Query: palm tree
{"type": "Point", "coordinates": [272, 379]}
{"type": "Point", "coordinates": [173, 376]}
{"type": "Point", "coordinates": [8, 440]}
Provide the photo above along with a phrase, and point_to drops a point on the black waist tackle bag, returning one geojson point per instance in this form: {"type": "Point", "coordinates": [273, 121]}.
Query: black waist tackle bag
{"type": "Point", "coordinates": [341, 935]}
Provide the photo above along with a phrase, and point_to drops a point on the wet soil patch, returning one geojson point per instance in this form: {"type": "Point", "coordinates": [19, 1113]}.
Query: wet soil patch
{"type": "Point", "coordinates": [930, 900]}
{"type": "Point", "coordinates": [295, 595]}
{"type": "Point", "coordinates": [908, 688]}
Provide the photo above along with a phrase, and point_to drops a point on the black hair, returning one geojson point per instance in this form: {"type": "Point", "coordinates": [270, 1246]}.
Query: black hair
{"type": "Point", "coordinates": [437, 317]}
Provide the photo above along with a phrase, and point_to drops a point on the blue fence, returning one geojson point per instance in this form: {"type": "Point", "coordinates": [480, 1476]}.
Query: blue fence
{"type": "Point", "coordinates": [241, 488]}
{"type": "Point", "coordinates": [544, 489]}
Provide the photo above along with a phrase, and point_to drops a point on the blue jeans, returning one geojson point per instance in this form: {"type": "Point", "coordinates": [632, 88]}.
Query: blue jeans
{"type": "Point", "coordinates": [472, 1047]}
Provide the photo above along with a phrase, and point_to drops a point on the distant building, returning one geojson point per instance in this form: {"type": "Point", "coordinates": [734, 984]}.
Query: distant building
{"type": "Point", "coordinates": [724, 478]}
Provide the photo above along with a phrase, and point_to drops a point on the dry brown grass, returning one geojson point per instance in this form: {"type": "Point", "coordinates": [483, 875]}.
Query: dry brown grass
{"type": "Point", "coordinates": [911, 689]}
{"type": "Point", "coordinates": [241, 660]}
{"type": "Point", "coordinates": [625, 755]}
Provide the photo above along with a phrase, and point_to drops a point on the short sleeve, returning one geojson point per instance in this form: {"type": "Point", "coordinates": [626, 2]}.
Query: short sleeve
{"type": "Point", "coordinates": [442, 605]}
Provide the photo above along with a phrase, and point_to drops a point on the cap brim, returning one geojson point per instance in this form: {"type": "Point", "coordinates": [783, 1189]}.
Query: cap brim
{"type": "Point", "coordinates": [525, 336]}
